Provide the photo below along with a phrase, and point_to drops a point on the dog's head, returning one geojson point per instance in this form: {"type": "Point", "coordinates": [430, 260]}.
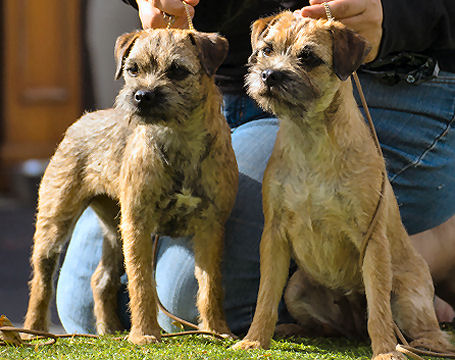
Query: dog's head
{"type": "Point", "coordinates": [297, 60]}
{"type": "Point", "coordinates": [166, 71]}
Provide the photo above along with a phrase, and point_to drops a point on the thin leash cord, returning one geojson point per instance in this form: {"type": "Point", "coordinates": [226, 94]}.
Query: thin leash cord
{"type": "Point", "coordinates": [54, 337]}
{"type": "Point", "coordinates": [188, 16]}
{"type": "Point", "coordinates": [171, 18]}
{"type": "Point", "coordinates": [405, 348]}
{"type": "Point", "coordinates": [374, 135]}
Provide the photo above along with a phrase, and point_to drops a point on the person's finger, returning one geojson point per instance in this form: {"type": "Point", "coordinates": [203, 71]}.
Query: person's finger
{"type": "Point", "coordinates": [162, 21]}
{"type": "Point", "coordinates": [151, 17]}
{"type": "Point", "coordinates": [173, 7]}
{"type": "Point", "coordinates": [340, 9]}
{"type": "Point", "coordinates": [193, 3]}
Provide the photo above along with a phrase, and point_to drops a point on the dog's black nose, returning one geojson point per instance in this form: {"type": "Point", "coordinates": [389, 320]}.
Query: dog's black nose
{"type": "Point", "coordinates": [145, 97]}
{"type": "Point", "coordinates": [271, 77]}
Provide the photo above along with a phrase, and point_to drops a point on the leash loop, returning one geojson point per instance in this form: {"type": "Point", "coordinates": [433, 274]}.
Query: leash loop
{"type": "Point", "coordinates": [328, 11]}
{"type": "Point", "coordinates": [188, 15]}
{"type": "Point", "coordinates": [171, 18]}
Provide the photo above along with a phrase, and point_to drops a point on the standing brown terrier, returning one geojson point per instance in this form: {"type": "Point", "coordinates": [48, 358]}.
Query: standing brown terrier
{"type": "Point", "coordinates": [159, 162]}
{"type": "Point", "coordinates": [322, 185]}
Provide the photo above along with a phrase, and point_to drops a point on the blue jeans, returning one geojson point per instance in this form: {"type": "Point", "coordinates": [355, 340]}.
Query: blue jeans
{"type": "Point", "coordinates": [415, 125]}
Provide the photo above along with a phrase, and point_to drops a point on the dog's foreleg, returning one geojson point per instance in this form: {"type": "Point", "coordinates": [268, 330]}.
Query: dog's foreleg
{"type": "Point", "coordinates": [274, 261]}
{"type": "Point", "coordinates": [138, 250]}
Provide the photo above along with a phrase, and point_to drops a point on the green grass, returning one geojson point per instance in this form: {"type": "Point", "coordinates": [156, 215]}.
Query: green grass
{"type": "Point", "coordinates": [190, 347]}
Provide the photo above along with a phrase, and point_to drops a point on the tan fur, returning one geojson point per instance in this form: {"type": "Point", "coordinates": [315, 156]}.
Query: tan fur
{"type": "Point", "coordinates": [322, 184]}
{"type": "Point", "coordinates": [169, 170]}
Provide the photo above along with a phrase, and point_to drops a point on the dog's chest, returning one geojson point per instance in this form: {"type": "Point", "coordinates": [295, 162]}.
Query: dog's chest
{"type": "Point", "coordinates": [172, 182]}
{"type": "Point", "coordinates": [319, 215]}
{"type": "Point", "coordinates": [183, 202]}
{"type": "Point", "coordinates": [324, 236]}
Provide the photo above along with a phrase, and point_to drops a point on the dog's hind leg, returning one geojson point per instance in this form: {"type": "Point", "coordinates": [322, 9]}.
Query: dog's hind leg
{"type": "Point", "coordinates": [208, 247]}
{"type": "Point", "coordinates": [105, 281]}
{"type": "Point", "coordinates": [322, 311]}
{"type": "Point", "coordinates": [413, 303]}
{"type": "Point", "coordinates": [61, 202]}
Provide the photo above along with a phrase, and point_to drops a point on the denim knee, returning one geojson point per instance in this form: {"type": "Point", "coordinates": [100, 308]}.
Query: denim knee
{"type": "Point", "coordinates": [74, 295]}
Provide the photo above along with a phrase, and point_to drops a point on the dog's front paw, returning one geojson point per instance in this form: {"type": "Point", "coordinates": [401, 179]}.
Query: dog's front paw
{"type": "Point", "coordinates": [394, 355]}
{"type": "Point", "coordinates": [247, 345]}
{"type": "Point", "coordinates": [138, 338]}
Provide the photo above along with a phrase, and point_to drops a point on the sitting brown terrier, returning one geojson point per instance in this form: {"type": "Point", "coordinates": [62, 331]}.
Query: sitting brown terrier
{"type": "Point", "coordinates": [322, 186]}
{"type": "Point", "coordinates": [159, 162]}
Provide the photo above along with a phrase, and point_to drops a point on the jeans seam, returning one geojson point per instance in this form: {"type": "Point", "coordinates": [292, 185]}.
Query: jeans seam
{"type": "Point", "coordinates": [426, 151]}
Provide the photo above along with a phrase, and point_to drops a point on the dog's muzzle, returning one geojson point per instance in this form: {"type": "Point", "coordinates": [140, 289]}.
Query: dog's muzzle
{"type": "Point", "coordinates": [272, 77]}
{"type": "Point", "coordinates": [146, 100]}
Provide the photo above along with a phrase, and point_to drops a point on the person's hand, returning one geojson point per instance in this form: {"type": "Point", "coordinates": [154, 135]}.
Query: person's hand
{"type": "Point", "coordinates": [363, 16]}
{"type": "Point", "coordinates": [151, 12]}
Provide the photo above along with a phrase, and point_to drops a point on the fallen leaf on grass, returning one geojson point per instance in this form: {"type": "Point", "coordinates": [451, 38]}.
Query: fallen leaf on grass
{"type": "Point", "coordinates": [9, 336]}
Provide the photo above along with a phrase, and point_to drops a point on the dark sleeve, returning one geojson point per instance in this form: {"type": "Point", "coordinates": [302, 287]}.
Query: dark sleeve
{"type": "Point", "coordinates": [418, 26]}
{"type": "Point", "coordinates": [131, 2]}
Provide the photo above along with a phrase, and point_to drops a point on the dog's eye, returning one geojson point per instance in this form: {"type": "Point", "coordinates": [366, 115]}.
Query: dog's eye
{"type": "Point", "coordinates": [177, 72]}
{"type": "Point", "coordinates": [132, 70]}
{"type": "Point", "coordinates": [309, 59]}
{"type": "Point", "coordinates": [267, 51]}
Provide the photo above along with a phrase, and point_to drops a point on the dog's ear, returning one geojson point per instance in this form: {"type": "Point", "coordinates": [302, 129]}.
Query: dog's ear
{"type": "Point", "coordinates": [212, 50]}
{"type": "Point", "coordinates": [122, 48]}
{"type": "Point", "coordinates": [349, 50]}
{"type": "Point", "coordinates": [259, 28]}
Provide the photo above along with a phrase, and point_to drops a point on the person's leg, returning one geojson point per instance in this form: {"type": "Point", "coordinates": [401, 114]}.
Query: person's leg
{"type": "Point", "coordinates": [74, 298]}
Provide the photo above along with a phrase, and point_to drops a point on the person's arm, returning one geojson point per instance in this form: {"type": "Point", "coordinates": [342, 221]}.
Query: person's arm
{"type": "Point", "coordinates": [151, 12]}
